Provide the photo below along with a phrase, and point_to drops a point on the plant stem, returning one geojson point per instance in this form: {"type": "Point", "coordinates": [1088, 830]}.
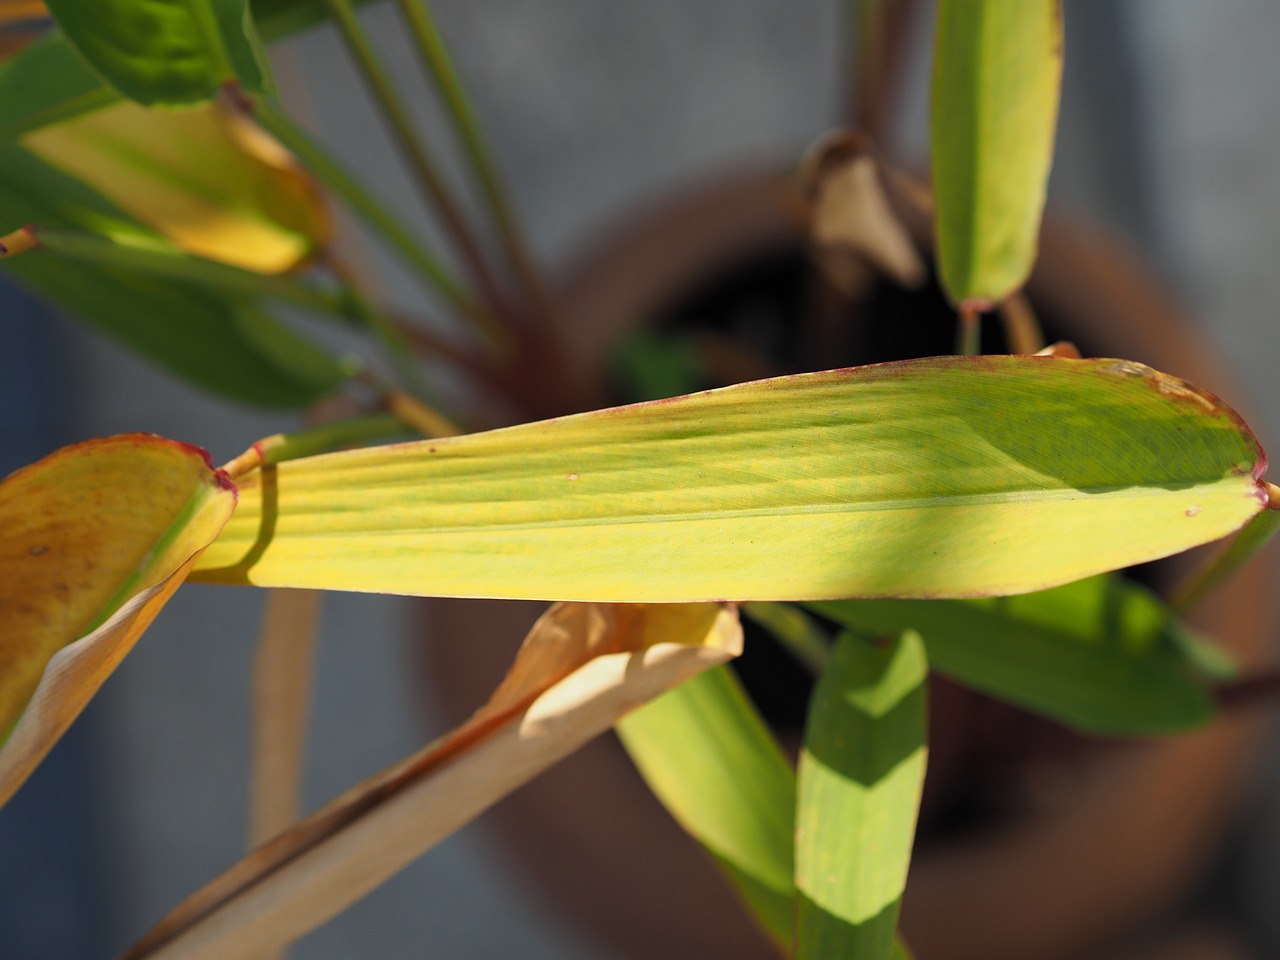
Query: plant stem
{"type": "Point", "coordinates": [1021, 328]}
{"type": "Point", "coordinates": [315, 440]}
{"type": "Point", "coordinates": [969, 336]}
{"type": "Point", "coordinates": [439, 65]}
{"type": "Point", "coordinates": [397, 348]}
{"type": "Point", "coordinates": [176, 265]}
{"type": "Point", "coordinates": [371, 210]}
{"type": "Point", "coordinates": [379, 85]}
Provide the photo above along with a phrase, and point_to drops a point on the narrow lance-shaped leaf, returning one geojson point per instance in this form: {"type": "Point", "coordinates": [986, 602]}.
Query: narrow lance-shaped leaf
{"type": "Point", "coordinates": [581, 668]}
{"type": "Point", "coordinates": [1102, 655]}
{"type": "Point", "coordinates": [707, 755]}
{"type": "Point", "coordinates": [167, 52]}
{"type": "Point", "coordinates": [94, 539]}
{"type": "Point", "coordinates": [952, 477]}
{"type": "Point", "coordinates": [860, 777]}
{"type": "Point", "coordinates": [996, 77]}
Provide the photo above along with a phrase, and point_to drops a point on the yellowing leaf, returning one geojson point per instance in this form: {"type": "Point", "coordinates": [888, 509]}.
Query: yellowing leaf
{"type": "Point", "coordinates": [207, 179]}
{"type": "Point", "coordinates": [951, 476]}
{"type": "Point", "coordinates": [581, 668]}
{"type": "Point", "coordinates": [996, 77]}
{"type": "Point", "coordinates": [94, 539]}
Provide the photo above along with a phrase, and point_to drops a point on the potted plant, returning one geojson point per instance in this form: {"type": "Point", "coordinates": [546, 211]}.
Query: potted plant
{"type": "Point", "coordinates": [949, 478]}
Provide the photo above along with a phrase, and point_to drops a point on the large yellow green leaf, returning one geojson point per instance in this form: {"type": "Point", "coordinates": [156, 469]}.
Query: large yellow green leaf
{"type": "Point", "coordinates": [83, 533]}
{"type": "Point", "coordinates": [951, 476]}
{"type": "Point", "coordinates": [859, 782]}
{"type": "Point", "coordinates": [167, 52]}
{"type": "Point", "coordinates": [208, 179]}
{"type": "Point", "coordinates": [996, 77]}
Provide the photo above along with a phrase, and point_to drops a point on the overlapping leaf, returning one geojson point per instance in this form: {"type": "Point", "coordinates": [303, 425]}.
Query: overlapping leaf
{"type": "Point", "coordinates": [207, 179]}
{"type": "Point", "coordinates": [707, 755]}
{"type": "Point", "coordinates": [1102, 655]}
{"type": "Point", "coordinates": [946, 477]}
{"type": "Point", "coordinates": [167, 52]}
{"type": "Point", "coordinates": [859, 782]}
{"type": "Point", "coordinates": [95, 539]}
{"type": "Point", "coordinates": [581, 668]}
{"type": "Point", "coordinates": [218, 341]}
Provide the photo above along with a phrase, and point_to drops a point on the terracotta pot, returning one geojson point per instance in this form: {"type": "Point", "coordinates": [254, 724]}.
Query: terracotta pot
{"type": "Point", "coordinates": [1118, 832]}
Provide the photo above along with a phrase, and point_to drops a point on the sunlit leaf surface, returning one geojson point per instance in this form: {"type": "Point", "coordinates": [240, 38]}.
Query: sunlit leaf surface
{"type": "Point", "coordinates": [707, 755]}
{"type": "Point", "coordinates": [207, 179]}
{"type": "Point", "coordinates": [582, 667]}
{"type": "Point", "coordinates": [1102, 655]}
{"type": "Point", "coordinates": [945, 477]}
{"type": "Point", "coordinates": [84, 532]}
{"type": "Point", "coordinates": [860, 777]}
{"type": "Point", "coordinates": [167, 52]}
{"type": "Point", "coordinates": [996, 77]}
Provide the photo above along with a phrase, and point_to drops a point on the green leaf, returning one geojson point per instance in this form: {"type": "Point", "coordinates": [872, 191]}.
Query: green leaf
{"type": "Point", "coordinates": [951, 476]}
{"type": "Point", "coordinates": [219, 342]}
{"type": "Point", "coordinates": [706, 754]}
{"type": "Point", "coordinates": [167, 52]}
{"type": "Point", "coordinates": [49, 81]}
{"type": "Point", "coordinates": [1103, 655]}
{"type": "Point", "coordinates": [859, 782]}
{"type": "Point", "coordinates": [45, 83]}
{"type": "Point", "coordinates": [996, 78]}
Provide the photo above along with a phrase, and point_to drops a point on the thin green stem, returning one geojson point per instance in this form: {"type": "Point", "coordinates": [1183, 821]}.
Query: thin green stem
{"type": "Point", "coordinates": [395, 345]}
{"type": "Point", "coordinates": [315, 440]}
{"type": "Point", "coordinates": [379, 84]}
{"type": "Point", "coordinates": [969, 335]}
{"type": "Point", "coordinates": [371, 210]}
{"type": "Point", "coordinates": [435, 57]}
{"type": "Point", "coordinates": [176, 265]}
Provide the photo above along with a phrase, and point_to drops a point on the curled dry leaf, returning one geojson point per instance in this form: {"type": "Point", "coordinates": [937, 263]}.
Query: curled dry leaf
{"type": "Point", "coordinates": [582, 667]}
{"type": "Point", "coordinates": [96, 538]}
{"type": "Point", "coordinates": [208, 179]}
{"type": "Point", "coordinates": [852, 224]}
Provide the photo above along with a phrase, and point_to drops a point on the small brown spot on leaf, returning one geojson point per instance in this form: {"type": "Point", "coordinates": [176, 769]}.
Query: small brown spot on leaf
{"type": "Point", "coordinates": [38, 551]}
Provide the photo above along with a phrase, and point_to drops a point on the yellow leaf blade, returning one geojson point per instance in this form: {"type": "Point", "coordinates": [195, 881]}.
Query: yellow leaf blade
{"type": "Point", "coordinates": [207, 179]}
{"type": "Point", "coordinates": [950, 476]}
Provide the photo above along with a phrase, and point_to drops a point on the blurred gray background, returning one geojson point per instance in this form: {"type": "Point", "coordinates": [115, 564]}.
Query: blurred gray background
{"type": "Point", "coordinates": [1170, 135]}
